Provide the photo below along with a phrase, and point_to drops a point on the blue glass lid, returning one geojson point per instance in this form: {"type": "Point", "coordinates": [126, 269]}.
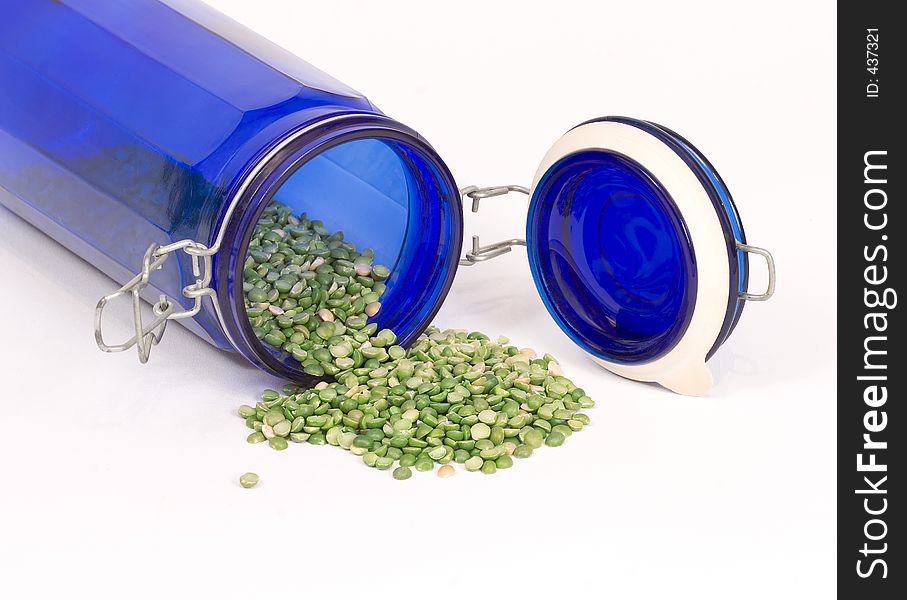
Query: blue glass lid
{"type": "Point", "coordinates": [634, 245]}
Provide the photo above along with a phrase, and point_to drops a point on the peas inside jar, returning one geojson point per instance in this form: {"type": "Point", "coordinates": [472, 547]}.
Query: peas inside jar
{"type": "Point", "coordinates": [310, 293]}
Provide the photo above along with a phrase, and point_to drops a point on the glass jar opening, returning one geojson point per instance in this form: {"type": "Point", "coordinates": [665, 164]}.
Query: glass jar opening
{"type": "Point", "coordinates": [381, 190]}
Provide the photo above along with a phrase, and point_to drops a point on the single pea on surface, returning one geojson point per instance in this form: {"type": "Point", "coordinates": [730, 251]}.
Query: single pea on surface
{"type": "Point", "coordinates": [248, 480]}
{"type": "Point", "coordinates": [446, 471]}
{"type": "Point", "coordinates": [402, 473]}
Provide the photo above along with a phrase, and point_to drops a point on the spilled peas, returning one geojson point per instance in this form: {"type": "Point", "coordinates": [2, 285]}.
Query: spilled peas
{"type": "Point", "coordinates": [452, 397]}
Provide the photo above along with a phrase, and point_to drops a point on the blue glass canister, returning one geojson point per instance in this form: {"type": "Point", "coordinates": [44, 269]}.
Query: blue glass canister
{"type": "Point", "coordinates": [148, 136]}
{"type": "Point", "coordinates": [152, 134]}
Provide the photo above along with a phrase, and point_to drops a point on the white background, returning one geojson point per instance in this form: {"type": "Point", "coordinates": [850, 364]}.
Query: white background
{"type": "Point", "coordinates": [121, 479]}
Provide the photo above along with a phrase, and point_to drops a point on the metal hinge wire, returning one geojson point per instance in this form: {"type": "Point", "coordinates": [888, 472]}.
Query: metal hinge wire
{"type": "Point", "coordinates": [478, 252]}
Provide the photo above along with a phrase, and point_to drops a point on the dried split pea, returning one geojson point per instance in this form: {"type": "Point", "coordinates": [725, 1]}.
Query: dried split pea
{"type": "Point", "coordinates": [446, 471]}
{"type": "Point", "coordinates": [248, 480]}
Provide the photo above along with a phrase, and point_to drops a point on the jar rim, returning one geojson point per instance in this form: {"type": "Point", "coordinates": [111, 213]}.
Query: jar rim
{"type": "Point", "coordinates": [265, 177]}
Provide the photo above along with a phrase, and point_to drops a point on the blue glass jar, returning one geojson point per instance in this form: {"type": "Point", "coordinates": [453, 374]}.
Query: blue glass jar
{"type": "Point", "coordinates": [150, 135]}
{"type": "Point", "coordinates": [125, 124]}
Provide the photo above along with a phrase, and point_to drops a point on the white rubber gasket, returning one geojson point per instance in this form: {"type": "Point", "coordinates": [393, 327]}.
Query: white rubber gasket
{"type": "Point", "coordinates": [682, 369]}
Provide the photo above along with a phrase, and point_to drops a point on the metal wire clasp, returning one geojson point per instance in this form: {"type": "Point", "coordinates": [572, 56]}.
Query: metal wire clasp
{"type": "Point", "coordinates": [478, 252]}
{"type": "Point", "coordinates": [165, 309]}
{"type": "Point", "coordinates": [770, 265]}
